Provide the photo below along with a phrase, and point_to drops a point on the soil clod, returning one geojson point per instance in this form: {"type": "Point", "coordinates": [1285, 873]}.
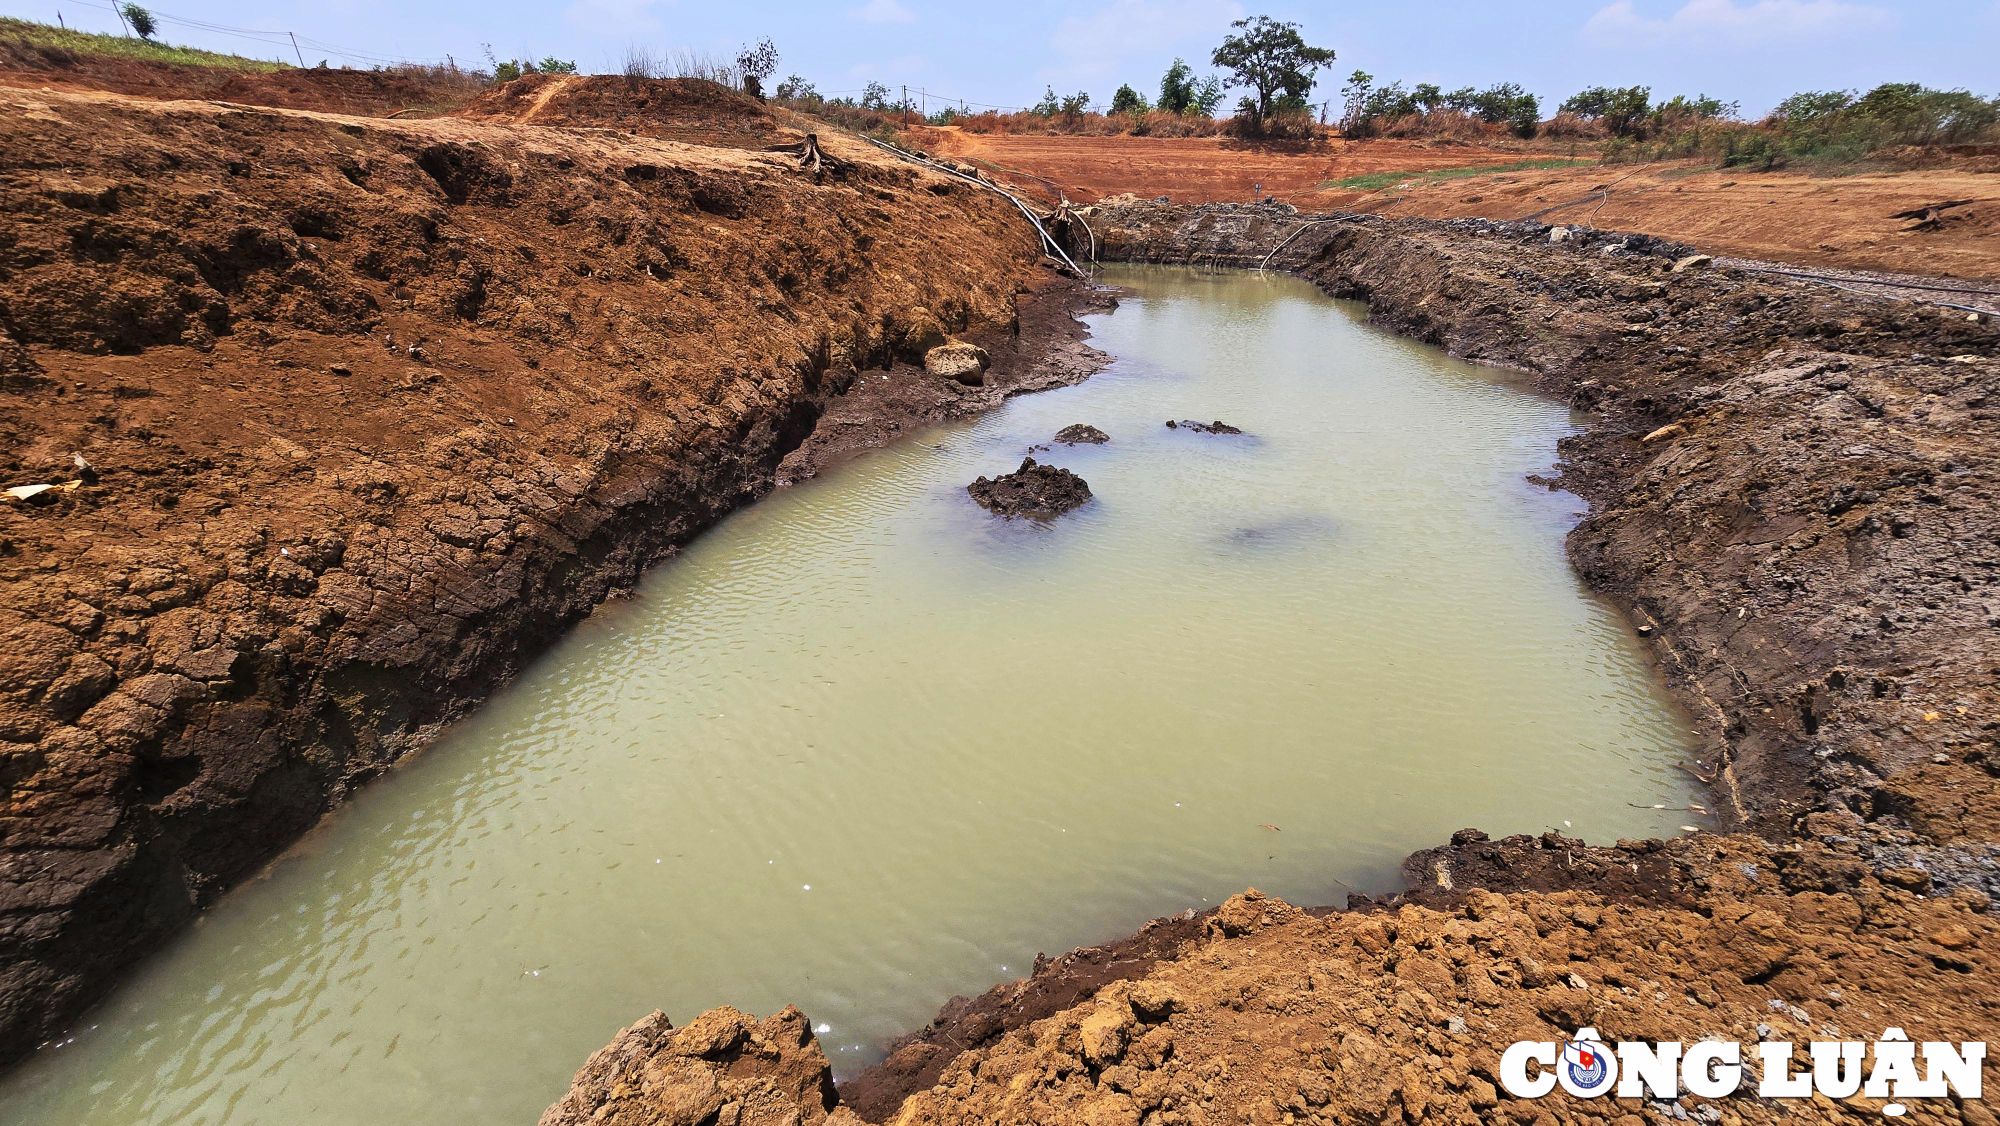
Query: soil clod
{"type": "Point", "coordinates": [1032, 490]}
{"type": "Point", "coordinates": [1216, 427]}
{"type": "Point", "coordinates": [1081, 433]}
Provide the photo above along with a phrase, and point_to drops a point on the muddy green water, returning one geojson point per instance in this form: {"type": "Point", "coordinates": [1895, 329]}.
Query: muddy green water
{"type": "Point", "coordinates": [864, 746]}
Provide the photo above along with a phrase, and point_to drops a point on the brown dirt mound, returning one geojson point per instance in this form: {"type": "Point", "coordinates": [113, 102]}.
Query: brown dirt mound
{"type": "Point", "coordinates": [673, 109]}
{"type": "Point", "coordinates": [1032, 490]}
{"type": "Point", "coordinates": [362, 93]}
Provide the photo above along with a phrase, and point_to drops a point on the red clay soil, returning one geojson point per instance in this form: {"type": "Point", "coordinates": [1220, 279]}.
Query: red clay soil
{"type": "Point", "coordinates": [671, 109]}
{"type": "Point", "coordinates": [367, 93]}
{"type": "Point", "coordinates": [1839, 221]}
{"type": "Point", "coordinates": [1197, 169]}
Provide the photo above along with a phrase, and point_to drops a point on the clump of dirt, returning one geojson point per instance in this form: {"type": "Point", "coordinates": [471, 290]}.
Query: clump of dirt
{"type": "Point", "coordinates": [1216, 427]}
{"type": "Point", "coordinates": [724, 1066]}
{"type": "Point", "coordinates": [1081, 433]}
{"type": "Point", "coordinates": [375, 410]}
{"type": "Point", "coordinates": [693, 110]}
{"type": "Point", "coordinates": [1032, 490]}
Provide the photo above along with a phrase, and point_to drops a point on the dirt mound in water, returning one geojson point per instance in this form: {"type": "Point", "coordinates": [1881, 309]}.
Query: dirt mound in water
{"type": "Point", "coordinates": [1082, 434]}
{"type": "Point", "coordinates": [1032, 490]}
{"type": "Point", "coordinates": [674, 109]}
{"type": "Point", "coordinates": [725, 1066]}
{"type": "Point", "coordinates": [363, 93]}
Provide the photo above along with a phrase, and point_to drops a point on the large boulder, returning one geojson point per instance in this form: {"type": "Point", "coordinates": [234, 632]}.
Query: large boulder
{"type": "Point", "coordinates": [958, 360]}
{"type": "Point", "coordinates": [725, 1066]}
{"type": "Point", "coordinates": [923, 333]}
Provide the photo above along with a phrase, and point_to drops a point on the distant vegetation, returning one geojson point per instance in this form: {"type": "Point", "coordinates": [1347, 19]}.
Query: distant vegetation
{"type": "Point", "coordinates": [125, 47]}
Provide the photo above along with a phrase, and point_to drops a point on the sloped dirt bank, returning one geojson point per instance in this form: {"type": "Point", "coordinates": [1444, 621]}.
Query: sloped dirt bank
{"type": "Point", "coordinates": [1792, 491]}
{"type": "Point", "coordinates": [347, 419]}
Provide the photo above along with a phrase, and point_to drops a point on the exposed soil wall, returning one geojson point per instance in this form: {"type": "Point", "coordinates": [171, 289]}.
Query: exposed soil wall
{"type": "Point", "coordinates": [347, 419]}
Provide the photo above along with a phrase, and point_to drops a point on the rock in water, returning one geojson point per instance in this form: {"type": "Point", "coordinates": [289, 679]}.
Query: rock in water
{"type": "Point", "coordinates": [958, 360]}
{"type": "Point", "coordinates": [1032, 490]}
{"type": "Point", "coordinates": [724, 1066]}
{"type": "Point", "coordinates": [1216, 427]}
{"type": "Point", "coordinates": [1082, 432]}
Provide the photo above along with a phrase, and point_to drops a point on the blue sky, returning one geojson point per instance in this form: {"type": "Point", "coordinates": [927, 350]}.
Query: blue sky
{"type": "Point", "coordinates": [1752, 51]}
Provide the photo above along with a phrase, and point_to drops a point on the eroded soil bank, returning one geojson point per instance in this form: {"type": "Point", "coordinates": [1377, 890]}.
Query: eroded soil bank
{"type": "Point", "coordinates": [1792, 490]}
{"type": "Point", "coordinates": [349, 418]}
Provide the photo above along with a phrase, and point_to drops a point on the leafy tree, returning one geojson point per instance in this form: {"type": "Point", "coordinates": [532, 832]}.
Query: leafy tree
{"type": "Point", "coordinates": [1427, 96]}
{"type": "Point", "coordinates": [1354, 99]}
{"type": "Point", "coordinates": [142, 21]}
{"type": "Point", "coordinates": [757, 63]}
{"type": "Point", "coordinates": [1049, 106]}
{"type": "Point", "coordinates": [1181, 94]}
{"type": "Point", "coordinates": [1177, 88]}
{"type": "Point", "coordinates": [1622, 109]}
{"type": "Point", "coordinates": [796, 89]}
{"type": "Point", "coordinates": [1074, 106]}
{"type": "Point", "coordinates": [1271, 58]}
{"type": "Point", "coordinates": [1128, 100]}
{"type": "Point", "coordinates": [553, 65]}
{"type": "Point", "coordinates": [507, 71]}
{"type": "Point", "coordinates": [875, 96]}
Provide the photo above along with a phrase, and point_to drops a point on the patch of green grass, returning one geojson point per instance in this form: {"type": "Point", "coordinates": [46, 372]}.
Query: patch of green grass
{"type": "Point", "coordinates": [125, 47]}
{"type": "Point", "coordinates": [1376, 181]}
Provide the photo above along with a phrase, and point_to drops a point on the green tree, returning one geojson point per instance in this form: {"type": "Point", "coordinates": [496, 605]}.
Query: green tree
{"type": "Point", "coordinates": [1271, 58]}
{"type": "Point", "coordinates": [1622, 109]}
{"type": "Point", "coordinates": [142, 21]}
{"type": "Point", "coordinates": [1128, 100]}
{"type": "Point", "coordinates": [553, 65]}
{"type": "Point", "coordinates": [796, 89]}
{"type": "Point", "coordinates": [1177, 88]}
{"type": "Point", "coordinates": [875, 96]}
{"type": "Point", "coordinates": [1049, 106]}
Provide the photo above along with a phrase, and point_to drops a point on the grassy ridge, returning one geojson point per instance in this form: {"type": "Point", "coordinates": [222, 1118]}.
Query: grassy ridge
{"type": "Point", "coordinates": [1376, 181]}
{"type": "Point", "coordinates": [125, 47]}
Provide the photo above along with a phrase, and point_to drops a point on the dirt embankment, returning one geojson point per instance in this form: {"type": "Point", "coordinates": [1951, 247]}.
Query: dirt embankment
{"type": "Point", "coordinates": [1199, 169]}
{"type": "Point", "coordinates": [1794, 491]}
{"type": "Point", "coordinates": [1849, 221]}
{"type": "Point", "coordinates": [371, 93]}
{"type": "Point", "coordinates": [346, 419]}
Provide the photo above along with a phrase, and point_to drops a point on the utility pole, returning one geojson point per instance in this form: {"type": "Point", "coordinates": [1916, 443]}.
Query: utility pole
{"type": "Point", "coordinates": [296, 51]}
{"type": "Point", "coordinates": [906, 105]}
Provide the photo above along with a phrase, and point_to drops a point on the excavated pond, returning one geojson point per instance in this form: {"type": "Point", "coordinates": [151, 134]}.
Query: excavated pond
{"type": "Point", "coordinates": [867, 745]}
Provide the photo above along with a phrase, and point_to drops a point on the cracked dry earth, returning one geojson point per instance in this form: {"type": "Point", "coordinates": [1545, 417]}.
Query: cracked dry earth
{"type": "Point", "coordinates": [347, 418]}
{"type": "Point", "coordinates": [1793, 492]}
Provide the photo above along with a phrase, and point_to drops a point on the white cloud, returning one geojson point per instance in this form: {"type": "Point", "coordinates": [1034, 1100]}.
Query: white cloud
{"type": "Point", "coordinates": [1725, 23]}
{"type": "Point", "coordinates": [882, 11]}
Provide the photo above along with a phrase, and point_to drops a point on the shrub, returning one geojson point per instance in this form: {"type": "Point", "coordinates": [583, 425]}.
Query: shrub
{"type": "Point", "coordinates": [143, 24]}
{"type": "Point", "coordinates": [1622, 109]}
{"type": "Point", "coordinates": [1128, 100]}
